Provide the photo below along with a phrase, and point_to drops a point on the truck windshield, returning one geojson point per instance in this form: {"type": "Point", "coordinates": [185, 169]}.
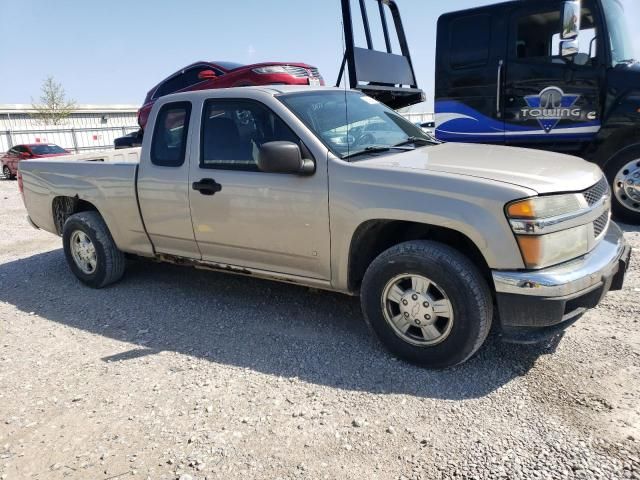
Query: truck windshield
{"type": "Point", "coordinates": [350, 123]}
{"type": "Point", "coordinates": [622, 50]}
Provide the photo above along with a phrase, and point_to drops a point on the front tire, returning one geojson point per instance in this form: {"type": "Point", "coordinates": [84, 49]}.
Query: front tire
{"type": "Point", "coordinates": [6, 172]}
{"type": "Point", "coordinates": [427, 303]}
{"type": "Point", "coordinates": [623, 173]}
{"type": "Point", "coordinates": [90, 251]}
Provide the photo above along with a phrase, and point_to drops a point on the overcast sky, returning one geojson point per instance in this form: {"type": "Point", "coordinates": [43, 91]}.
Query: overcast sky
{"type": "Point", "coordinates": [114, 51]}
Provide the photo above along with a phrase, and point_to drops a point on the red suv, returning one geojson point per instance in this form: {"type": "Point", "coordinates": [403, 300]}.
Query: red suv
{"type": "Point", "coordinates": [211, 75]}
{"type": "Point", "coordinates": [24, 152]}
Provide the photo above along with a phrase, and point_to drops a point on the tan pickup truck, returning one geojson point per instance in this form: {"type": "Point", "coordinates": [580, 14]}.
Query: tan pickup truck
{"type": "Point", "coordinates": [330, 189]}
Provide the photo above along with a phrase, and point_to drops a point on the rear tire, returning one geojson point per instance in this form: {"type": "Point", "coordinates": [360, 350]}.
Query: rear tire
{"type": "Point", "coordinates": [427, 303]}
{"type": "Point", "coordinates": [623, 168]}
{"type": "Point", "coordinates": [90, 251]}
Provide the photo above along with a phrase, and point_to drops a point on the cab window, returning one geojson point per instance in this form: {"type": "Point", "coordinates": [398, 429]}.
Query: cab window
{"type": "Point", "coordinates": [469, 42]}
{"type": "Point", "coordinates": [170, 135]}
{"type": "Point", "coordinates": [233, 132]}
{"type": "Point", "coordinates": [537, 38]}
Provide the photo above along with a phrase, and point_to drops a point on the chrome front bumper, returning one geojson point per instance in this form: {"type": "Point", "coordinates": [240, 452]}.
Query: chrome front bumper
{"type": "Point", "coordinates": [536, 305]}
{"type": "Point", "coordinates": [570, 278]}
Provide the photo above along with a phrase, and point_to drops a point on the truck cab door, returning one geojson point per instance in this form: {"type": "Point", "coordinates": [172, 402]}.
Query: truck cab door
{"type": "Point", "coordinates": [162, 183]}
{"type": "Point", "coordinates": [551, 101]}
{"type": "Point", "coordinates": [470, 56]}
{"type": "Point", "coordinates": [243, 217]}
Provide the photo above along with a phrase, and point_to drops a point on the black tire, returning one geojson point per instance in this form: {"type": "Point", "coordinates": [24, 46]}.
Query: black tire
{"type": "Point", "coordinates": [615, 165]}
{"type": "Point", "coordinates": [6, 173]}
{"type": "Point", "coordinates": [110, 261]}
{"type": "Point", "coordinates": [457, 276]}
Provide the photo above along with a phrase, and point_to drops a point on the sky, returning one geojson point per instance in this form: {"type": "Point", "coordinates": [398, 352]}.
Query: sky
{"type": "Point", "coordinates": [114, 51]}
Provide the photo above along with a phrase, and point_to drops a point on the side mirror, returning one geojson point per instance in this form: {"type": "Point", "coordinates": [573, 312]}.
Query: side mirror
{"type": "Point", "coordinates": [284, 157]}
{"type": "Point", "coordinates": [207, 75]}
{"type": "Point", "coordinates": [24, 155]}
{"type": "Point", "coordinates": [571, 17]}
{"type": "Point", "coordinates": [569, 48]}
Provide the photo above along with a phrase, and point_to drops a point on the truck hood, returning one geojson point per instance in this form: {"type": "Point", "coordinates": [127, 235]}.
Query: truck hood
{"type": "Point", "coordinates": [537, 170]}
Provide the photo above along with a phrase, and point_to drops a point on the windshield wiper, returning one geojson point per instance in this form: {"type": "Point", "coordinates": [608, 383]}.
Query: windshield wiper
{"type": "Point", "coordinates": [376, 149]}
{"type": "Point", "coordinates": [421, 140]}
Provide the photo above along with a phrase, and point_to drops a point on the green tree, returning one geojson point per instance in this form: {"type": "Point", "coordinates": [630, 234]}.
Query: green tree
{"type": "Point", "coordinates": [54, 106]}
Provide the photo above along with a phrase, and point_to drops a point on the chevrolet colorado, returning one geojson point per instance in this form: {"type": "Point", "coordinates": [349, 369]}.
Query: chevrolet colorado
{"type": "Point", "coordinates": [287, 183]}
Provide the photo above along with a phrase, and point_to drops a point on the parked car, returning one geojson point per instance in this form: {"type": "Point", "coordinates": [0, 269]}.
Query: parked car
{"type": "Point", "coordinates": [131, 140]}
{"type": "Point", "coordinates": [433, 236]}
{"type": "Point", "coordinates": [26, 152]}
{"type": "Point", "coordinates": [212, 75]}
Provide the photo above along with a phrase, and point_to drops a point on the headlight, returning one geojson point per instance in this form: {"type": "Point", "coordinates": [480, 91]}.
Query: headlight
{"type": "Point", "coordinates": [546, 230]}
{"type": "Point", "coordinates": [540, 251]}
{"type": "Point", "coordinates": [545, 207]}
{"type": "Point", "coordinates": [271, 69]}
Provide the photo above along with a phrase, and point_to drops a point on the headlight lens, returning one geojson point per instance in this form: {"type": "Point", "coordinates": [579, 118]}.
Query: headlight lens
{"type": "Point", "coordinates": [271, 69]}
{"type": "Point", "coordinates": [540, 251]}
{"type": "Point", "coordinates": [544, 207]}
{"type": "Point", "coordinates": [531, 218]}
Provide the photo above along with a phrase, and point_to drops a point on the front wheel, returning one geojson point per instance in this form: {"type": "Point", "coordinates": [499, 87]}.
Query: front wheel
{"type": "Point", "coordinates": [6, 172]}
{"type": "Point", "coordinates": [427, 303]}
{"type": "Point", "coordinates": [623, 173]}
{"type": "Point", "coordinates": [90, 250]}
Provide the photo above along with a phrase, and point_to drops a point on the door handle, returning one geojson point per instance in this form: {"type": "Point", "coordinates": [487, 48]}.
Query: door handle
{"type": "Point", "coordinates": [499, 90]}
{"type": "Point", "coordinates": [207, 186]}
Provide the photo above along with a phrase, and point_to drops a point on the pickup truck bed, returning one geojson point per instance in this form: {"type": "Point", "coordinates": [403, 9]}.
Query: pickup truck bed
{"type": "Point", "coordinates": [106, 180]}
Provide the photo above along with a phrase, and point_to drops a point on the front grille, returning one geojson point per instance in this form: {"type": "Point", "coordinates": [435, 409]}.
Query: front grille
{"type": "Point", "coordinates": [315, 72]}
{"type": "Point", "coordinates": [600, 224]}
{"type": "Point", "coordinates": [597, 192]}
{"type": "Point", "coordinates": [298, 72]}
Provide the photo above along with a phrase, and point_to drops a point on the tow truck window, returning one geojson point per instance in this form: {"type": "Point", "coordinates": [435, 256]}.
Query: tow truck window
{"type": "Point", "coordinates": [469, 41]}
{"type": "Point", "coordinates": [170, 135]}
{"type": "Point", "coordinates": [538, 38]}
{"type": "Point", "coordinates": [233, 132]}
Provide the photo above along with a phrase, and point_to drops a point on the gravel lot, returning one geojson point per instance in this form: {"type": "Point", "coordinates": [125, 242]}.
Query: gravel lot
{"type": "Point", "coordinates": [179, 373]}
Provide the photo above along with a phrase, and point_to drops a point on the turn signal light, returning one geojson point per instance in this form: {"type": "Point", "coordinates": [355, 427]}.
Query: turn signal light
{"type": "Point", "coordinates": [524, 209]}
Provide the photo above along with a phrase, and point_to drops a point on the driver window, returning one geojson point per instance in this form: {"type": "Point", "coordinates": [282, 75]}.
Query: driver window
{"type": "Point", "coordinates": [538, 38]}
{"type": "Point", "coordinates": [233, 132]}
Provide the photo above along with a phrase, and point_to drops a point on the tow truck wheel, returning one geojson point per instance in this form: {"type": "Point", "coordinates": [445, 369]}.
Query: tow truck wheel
{"type": "Point", "coordinates": [623, 173]}
{"type": "Point", "coordinates": [90, 250]}
{"type": "Point", "coordinates": [427, 303]}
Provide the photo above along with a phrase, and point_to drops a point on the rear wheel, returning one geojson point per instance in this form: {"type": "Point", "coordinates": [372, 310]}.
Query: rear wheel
{"type": "Point", "coordinates": [427, 303]}
{"type": "Point", "coordinates": [623, 173]}
{"type": "Point", "coordinates": [6, 172]}
{"type": "Point", "coordinates": [90, 250]}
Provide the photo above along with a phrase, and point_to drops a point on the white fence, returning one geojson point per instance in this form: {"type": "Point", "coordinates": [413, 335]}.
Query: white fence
{"type": "Point", "coordinates": [419, 117]}
{"type": "Point", "coordinates": [73, 139]}
{"type": "Point", "coordinates": [92, 138]}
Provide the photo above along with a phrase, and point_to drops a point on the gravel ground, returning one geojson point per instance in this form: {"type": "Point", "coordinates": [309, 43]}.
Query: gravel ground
{"type": "Point", "coordinates": [179, 373]}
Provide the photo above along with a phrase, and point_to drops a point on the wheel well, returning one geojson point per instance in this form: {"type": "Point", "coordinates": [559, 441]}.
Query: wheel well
{"type": "Point", "coordinates": [619, 141]}
{"type": "Point", "coordinates": [375, 236]}
{"type": "Point", "coordinates": [64, 207]}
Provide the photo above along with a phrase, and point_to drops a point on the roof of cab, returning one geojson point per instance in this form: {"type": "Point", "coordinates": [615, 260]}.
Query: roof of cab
{"type": "Point", "coordinates": [272, 90]}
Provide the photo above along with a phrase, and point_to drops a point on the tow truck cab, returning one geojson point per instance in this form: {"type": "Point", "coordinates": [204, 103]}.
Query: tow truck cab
{"type": "Point", "coordinates": [545, 74]}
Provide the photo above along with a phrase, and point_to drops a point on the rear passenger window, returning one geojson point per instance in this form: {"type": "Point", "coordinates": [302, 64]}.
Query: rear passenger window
{"type": "Point", "coordinates": [470, 41]}
{"type": "Point", "coordinates": [170, 135]}
{"type": "Point", "coordinates": [233, 132]}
